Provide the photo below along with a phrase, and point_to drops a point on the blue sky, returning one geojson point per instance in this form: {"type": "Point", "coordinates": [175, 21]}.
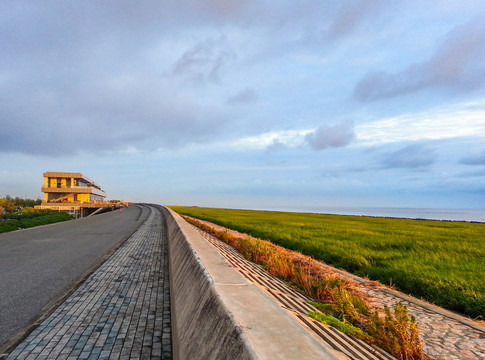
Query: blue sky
{"type": "Point", "coordinates": [247, 104]}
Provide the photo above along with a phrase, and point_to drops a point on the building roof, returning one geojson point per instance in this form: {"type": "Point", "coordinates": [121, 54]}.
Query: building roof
{"type": "Point", "coordinates": [55, 174]}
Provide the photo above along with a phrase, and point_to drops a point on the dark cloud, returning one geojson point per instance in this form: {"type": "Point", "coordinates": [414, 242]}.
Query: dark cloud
{"type": "Point", "coordinates": [457, 64]}
{"type": "Point", "coordinates": [224, 8]}
{"type": "Point", "coordinates": [476, 172]}
{"type": "Point", "coordinates": [92, 78]}
{"type": "Point", "coordinates": [106, 115]}
{"type": "Point", "coordinates": [331, 136]}
{"type": "Point", "coordinates": [244, 96]}
{"type": "Point", "coordinates": [205, 60]}
{"type": "Point", "coordinates": [351, 15]}
{"type": "Point", "coordinates": [326, 23]}
{"type": "Point", "coordinates": [411, 156]}
{"type": "Point", "coordinates": [478, 159]}
{"type": "Point", "coordinates": [275, 146]}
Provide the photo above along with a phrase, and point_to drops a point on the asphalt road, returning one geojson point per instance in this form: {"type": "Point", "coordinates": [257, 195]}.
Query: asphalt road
{"type": "Point", "coordinates": [40, 264]}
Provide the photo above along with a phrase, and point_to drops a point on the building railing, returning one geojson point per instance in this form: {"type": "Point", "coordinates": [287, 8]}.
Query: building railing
{"type": "Point", "coordinates": [86, 189]}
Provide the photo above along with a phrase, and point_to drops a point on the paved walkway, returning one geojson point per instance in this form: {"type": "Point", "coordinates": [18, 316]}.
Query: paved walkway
{"type": "Point", "coordinates": [122, 311]}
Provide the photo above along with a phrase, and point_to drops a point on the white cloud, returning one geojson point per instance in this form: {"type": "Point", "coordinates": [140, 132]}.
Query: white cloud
{"type": "Point", "coordinates": [320, 138]}
{"type": "Point", "coordinates": [290, 138]}
{"type": "Point", "coordinates": [465, 120]}
{"type": "Point", "coordinates": [436, 124]}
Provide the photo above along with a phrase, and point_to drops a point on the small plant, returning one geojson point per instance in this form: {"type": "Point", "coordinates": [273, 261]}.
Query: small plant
{"type": "Point", "coordinates": [344, 327]}
{"type": "Point", "coordinates": [396, 333]}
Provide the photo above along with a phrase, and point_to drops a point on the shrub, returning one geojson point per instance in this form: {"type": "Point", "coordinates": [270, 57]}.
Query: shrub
{"type": "Point", "coordinates": [396, 333]}
{"type": "Point", "coordinates": [23, 220]}
{"type": "Point", "coordinates": [9, 226]}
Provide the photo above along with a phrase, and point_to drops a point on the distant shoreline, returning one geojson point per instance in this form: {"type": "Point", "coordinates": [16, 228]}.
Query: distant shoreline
{"type": "Point", "coordinates": [454, 215]}
{"type": "Point", "coordinates": [449, 215]}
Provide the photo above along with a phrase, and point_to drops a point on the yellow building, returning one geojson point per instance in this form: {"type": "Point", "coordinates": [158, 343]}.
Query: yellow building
{"type": "Point", "coordinates": [71, 192]}
{"type": "Point", "coordinates": [70, 187]}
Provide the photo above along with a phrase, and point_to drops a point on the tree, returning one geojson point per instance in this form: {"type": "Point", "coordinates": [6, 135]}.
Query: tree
{"type": "Point", "coordinates": [14, 203]}
{"type": "Point", "coordinates": [7, 205]}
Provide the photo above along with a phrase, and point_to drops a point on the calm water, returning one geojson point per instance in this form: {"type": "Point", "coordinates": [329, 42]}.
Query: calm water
{"type": "Point", "coordinates": [410, 213]}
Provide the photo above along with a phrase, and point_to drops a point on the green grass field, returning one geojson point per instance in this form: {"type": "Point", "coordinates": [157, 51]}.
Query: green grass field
{"type": "Point", "coordinates": [442, 262]}
{"type": "Point", "coordinates": [24, 220]}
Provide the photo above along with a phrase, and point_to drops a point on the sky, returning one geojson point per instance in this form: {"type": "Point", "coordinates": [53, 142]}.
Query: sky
{"type": "Point", "coordinates": [247, 104]}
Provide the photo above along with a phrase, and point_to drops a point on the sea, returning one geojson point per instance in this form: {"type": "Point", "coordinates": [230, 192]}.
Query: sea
{"type": "Point", "coordinates": [470, 215]}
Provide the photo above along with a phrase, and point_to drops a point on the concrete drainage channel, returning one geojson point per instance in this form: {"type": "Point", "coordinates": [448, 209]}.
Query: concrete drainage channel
{"type": "Point", "coordinates": [221, 308]}
{"type": "Point", "coordinates": [297, 305]}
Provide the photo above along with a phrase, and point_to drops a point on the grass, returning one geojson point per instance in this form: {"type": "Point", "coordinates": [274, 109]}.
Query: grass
{"type": "Point", "coordinates": [439, 261]}
{"type": "Point", "coordinates": [24, 220]}
{"type": "Point", "coordinates": [339, 325]}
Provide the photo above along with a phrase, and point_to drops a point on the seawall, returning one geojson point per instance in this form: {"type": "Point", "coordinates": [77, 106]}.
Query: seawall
{"type": "Point", "coordinates": [218, 314]}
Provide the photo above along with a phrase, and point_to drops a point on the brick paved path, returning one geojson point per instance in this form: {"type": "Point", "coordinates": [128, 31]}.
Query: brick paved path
{"type": "Point", "coordinates": [122, 311]}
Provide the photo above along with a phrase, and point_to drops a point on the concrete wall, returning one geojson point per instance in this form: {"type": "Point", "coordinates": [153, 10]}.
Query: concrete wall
{"type": "Point", "coordinates": [218, 314]}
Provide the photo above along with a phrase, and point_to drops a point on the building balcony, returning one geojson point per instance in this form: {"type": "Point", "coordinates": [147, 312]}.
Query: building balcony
{"type": "Point", "coordinates": [74, 190]}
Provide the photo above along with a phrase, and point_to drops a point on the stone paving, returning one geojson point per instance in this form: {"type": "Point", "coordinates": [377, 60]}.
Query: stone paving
{"type": "Point", "coordinates": [444, 337]}
{"type": "Point", "coordinates": [122, 311]}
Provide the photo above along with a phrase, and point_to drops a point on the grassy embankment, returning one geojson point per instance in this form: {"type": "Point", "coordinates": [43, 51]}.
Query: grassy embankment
{"type": "Point", "coordinates": [28, 219]}
{"type": "Point", "coordinates": [442, 262]}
